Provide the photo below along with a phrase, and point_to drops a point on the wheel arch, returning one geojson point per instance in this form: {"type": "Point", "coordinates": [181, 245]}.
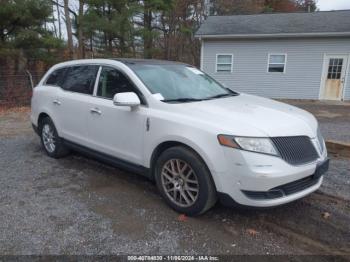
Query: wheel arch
{"type": "Point", "coordinates": [160, 148]}
{"type": "Point", "coordinates": [43, 115]}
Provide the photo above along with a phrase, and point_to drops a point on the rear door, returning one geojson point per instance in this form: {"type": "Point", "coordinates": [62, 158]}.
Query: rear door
{"type": "Point", "coordinates": [73, 102]}
{"type": "Point", "coordinates": [48, 100]}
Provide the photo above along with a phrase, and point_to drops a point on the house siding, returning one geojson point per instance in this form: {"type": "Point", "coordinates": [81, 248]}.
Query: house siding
{"type": "Point", "coordinates": [302, 79]}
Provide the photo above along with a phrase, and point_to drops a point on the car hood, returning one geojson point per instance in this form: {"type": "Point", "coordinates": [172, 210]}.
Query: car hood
{"type": "Point", "coordinates": [247, 115]}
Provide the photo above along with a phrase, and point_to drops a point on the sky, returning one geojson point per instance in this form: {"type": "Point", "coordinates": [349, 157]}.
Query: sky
{"type": "Point", "coordinates": [325, 5]}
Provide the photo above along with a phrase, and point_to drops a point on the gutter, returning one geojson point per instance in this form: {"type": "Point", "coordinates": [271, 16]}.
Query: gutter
{"type": "Point", "coordinates": [279, 35]}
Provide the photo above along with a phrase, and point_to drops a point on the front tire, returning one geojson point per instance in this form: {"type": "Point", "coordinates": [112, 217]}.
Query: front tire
{"type": "Point", "coordinates": [184, 181]}
{"type": "Point", "coordinates": [51, 142]}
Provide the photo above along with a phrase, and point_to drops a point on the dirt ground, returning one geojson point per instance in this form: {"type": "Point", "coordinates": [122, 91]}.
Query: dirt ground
{"type": "Point", "coordinates": [76, 205]}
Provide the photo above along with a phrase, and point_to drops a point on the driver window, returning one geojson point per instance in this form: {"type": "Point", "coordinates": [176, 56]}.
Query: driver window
{"type": "Point", "coordinates": [112, 81]}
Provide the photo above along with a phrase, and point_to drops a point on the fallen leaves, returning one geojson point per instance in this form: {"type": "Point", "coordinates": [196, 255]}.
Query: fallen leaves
{"type": "Point", "coordinates": [252, 232]}
{"type": "Point", "coordinates": [326, 215]}
{"type": "Point", "coordinates": [182, 218]}
{"type": "Point", "coordinates": [4, 110]}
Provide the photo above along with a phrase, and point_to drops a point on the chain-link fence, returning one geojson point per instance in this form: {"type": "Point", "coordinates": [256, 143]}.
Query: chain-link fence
{"type": "Point", "coordinates": [16, 89]}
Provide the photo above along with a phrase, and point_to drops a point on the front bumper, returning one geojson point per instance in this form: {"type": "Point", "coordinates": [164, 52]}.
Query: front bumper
{"type": "Point", "coordinates": [264, 181]}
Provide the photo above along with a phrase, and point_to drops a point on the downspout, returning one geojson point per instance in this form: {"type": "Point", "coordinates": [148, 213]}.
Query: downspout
{"type": "Point", "coordinates": [202, 53]}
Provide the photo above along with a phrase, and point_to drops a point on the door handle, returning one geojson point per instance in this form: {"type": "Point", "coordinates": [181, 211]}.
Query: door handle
{"type": "Point", "coordinates": [56, 102]}
{"type": "Point", "coordinates": [95, 111]}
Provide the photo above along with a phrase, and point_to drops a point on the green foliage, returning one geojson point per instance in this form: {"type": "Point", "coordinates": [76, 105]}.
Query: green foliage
{"type": "Point", "coordinates": [22, 27]}
{"type": "Point", "coordinates": [158, 5]}
{"type": "Point", "coordinates": [110, 22]}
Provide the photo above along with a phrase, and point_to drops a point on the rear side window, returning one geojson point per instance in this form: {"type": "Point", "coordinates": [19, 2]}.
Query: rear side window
{"type": "Point", "coordinates": [80, 79]}
{"type": "Point", "coordinates": [56, 77]}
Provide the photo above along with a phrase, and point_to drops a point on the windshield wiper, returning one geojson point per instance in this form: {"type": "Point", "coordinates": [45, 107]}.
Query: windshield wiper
{"type": "Point", "coordinates": [221, 95]}
{"type": "Point", "coordinates": [182, 100]}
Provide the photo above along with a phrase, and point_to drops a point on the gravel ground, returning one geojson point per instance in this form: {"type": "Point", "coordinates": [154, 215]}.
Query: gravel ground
{"type": "Point", "coordinates": [76, 205]}
{"type": "Point", "coordinates": [334, 117]}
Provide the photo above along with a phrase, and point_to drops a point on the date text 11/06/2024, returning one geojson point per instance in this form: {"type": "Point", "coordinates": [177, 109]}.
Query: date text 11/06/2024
{"type": "Point", "coordinates": [173, 258]}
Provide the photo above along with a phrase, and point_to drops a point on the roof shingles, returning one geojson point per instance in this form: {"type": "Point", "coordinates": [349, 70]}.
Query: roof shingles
{"type": "Point", "coordinates": [274, 24]}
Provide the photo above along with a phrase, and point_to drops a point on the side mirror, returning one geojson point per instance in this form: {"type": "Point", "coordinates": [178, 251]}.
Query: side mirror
{"type": "Point", "coordinates": [126, 99]}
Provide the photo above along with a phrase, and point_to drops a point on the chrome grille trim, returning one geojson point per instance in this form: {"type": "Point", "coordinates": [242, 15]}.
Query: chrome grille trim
{"type": "Point", "coordinates": [320, 141]}
{"type": "Point", "coordinates": [295, 150]}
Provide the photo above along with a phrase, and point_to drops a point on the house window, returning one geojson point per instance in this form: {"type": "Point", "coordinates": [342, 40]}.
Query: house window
{"type": "Point", "coordinates": [277, 63]}
{"type": "Point", "coordinates": [224, 63]}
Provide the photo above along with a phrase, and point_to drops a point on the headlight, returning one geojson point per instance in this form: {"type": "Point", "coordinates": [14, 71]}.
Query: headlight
{"type": "Point", "coordinates": [254, 144]}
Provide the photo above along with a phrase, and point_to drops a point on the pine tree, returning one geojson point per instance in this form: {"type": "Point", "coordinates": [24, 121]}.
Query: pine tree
{"type": "Point", "coordinates": [24, 30]}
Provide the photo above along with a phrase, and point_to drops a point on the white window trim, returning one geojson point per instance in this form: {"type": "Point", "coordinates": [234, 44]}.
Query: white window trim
{"type": "Point", "coordinates": [97, 81]}
{"type": "Point", "coordinates": [216, 63]}
{"type": "Point", "coordinates": [323, 77]}
{"type": "Point", "coordinates": [285, 63]}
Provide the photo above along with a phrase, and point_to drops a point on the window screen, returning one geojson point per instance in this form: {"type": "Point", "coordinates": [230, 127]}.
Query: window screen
{"type": "Point", "coordinates": [80, 79]}
{"type": "Point", "coordinates": [56, 77]}
{"type": "Point", "coordinates": [277, 63]}
{"type": "Point", "coordinates": [224, 63]}
{"type": "Point", "coordinates": [112, 82]}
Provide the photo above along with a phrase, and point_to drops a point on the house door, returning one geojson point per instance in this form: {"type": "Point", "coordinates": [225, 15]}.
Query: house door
{"type": "Point", "coordinates": [334, 72]}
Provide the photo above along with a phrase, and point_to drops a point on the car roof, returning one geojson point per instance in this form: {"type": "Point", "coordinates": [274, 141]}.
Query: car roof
{"type": "Point", "coordinates": [126, 61]}
{"type": "Point", "coordinates": [136, 61]}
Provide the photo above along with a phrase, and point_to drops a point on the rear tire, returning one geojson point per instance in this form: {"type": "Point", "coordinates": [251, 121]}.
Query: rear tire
{"type": "Point", "coordinates": [51, 142]}
{"type": "Point", "coordinates": [184, 181]}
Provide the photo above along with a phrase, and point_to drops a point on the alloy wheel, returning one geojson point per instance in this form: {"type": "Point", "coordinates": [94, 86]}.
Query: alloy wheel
{"type": "Point", "coordinates": [48, 138]}
{"type": "Point", "coordinates": [180, 182]}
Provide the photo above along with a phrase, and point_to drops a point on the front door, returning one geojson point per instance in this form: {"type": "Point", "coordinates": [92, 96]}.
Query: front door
{"type": "Point", "coordinates": [333, 80]}
{"type": "Point", "coordinates": [116, 130]}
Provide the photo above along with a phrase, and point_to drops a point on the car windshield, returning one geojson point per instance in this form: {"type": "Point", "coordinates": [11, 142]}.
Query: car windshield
{"type": "Point", "coordinates": [179, 83]}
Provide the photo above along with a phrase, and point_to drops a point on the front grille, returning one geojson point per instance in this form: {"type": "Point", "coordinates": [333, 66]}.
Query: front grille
{"type": "Point", "coordinates": [295, 150]}
{"type": "Point", "coordinates": [284, 190]}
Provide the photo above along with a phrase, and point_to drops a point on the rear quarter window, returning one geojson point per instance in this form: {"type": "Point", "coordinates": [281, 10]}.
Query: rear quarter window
{"type": "Point", "coordinates": [56, 77]}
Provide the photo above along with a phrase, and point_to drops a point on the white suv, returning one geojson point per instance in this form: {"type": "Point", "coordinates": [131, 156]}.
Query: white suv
{"type": "Point", "coordinates": [173, 123]}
